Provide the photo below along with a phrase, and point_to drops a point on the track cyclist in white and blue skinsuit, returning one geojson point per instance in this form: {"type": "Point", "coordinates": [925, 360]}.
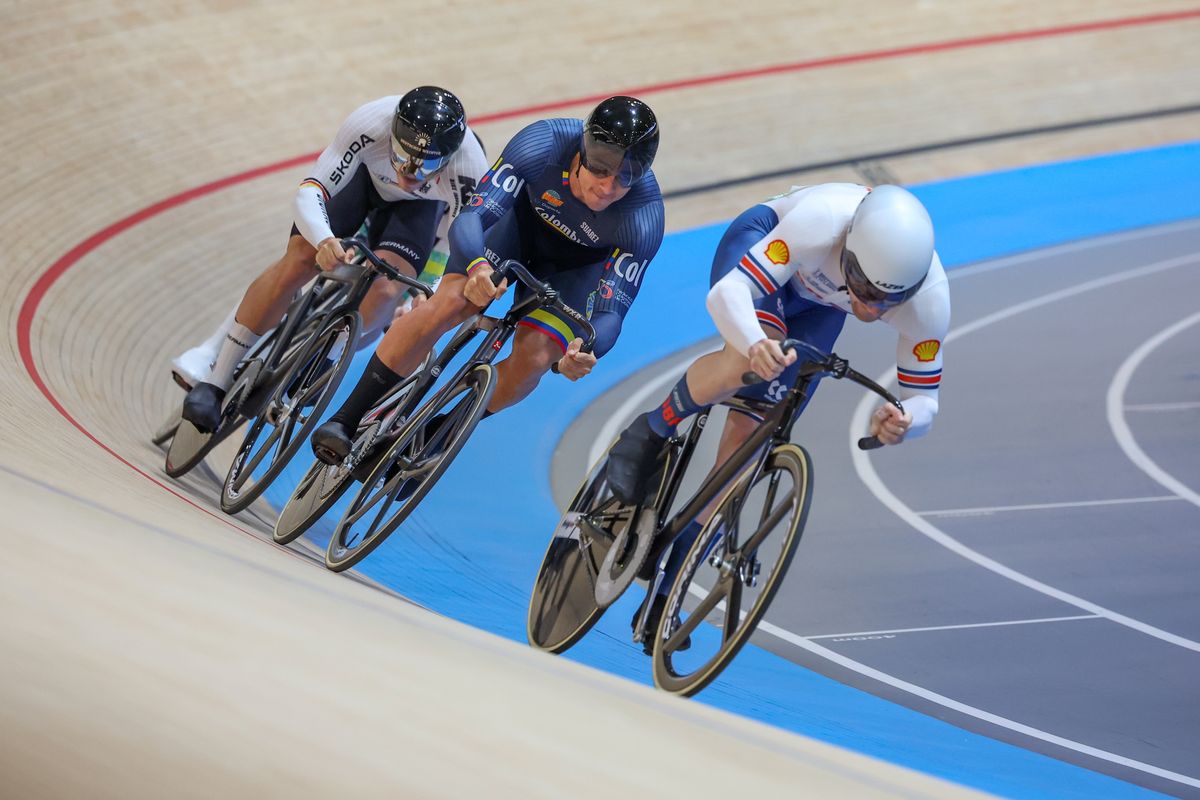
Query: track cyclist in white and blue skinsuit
{"type": "Point", "coordinates": [576, 203]}
{"type": "Point", "coordinates": [795, 266]}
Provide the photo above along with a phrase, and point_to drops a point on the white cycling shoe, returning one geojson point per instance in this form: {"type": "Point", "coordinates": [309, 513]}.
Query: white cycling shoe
{"type": "Point", "coordinates": [194, 366]}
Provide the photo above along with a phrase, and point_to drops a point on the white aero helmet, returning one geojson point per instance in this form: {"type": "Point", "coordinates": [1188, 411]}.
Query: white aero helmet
{"type": "Point", "coordinates": [889, 247]}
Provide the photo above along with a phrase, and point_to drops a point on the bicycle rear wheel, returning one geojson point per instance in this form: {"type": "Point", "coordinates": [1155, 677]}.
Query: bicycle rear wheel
{"type": "Point", "coordinates": [410, 468]}
{"type": "Point", "coordinates": [162, 435]}
{"type": "Point", "coordinates": [563, 605]}
{"type": "Point", "coordinates": [292, 411]}
{"type": "Point", "coordinates": [189, 446]}
{"type": "Point", "coordinates": [324, 484]}
{"type": "Point", "coordinates": [756, 526]}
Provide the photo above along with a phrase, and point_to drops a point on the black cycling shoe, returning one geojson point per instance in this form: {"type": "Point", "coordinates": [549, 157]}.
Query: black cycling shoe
{"type": "Point", "coordinates": [631, 461]}
{"type": "Point", "coordinates": [332, 441]}
{"type": "Point", "coordinates": [656, 611]}
{"type": "Point", "coordinates": [202, 407]}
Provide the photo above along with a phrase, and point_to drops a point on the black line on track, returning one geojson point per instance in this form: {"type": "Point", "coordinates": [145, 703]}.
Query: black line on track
{"type": "Point", "coordinates": [928, 148]}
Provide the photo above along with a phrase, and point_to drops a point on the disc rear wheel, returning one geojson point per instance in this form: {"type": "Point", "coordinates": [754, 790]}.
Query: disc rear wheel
{"type": "Point", "coordinates": [563, 606]}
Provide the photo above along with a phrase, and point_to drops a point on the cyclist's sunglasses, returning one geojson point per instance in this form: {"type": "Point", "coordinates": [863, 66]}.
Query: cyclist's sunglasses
{"type": "Point", "coordinates": [421, 169]}
{"type": "Point", "coordinates": [867, 292]}
{"type": "Point", "coordinates": [603, 159]}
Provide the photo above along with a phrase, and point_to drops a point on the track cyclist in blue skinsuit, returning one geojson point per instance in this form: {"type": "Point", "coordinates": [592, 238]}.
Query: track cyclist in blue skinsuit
{"type": "Point", "coordinates": [797, 265]}
{"type": "Point", "coordinates": [575, 202]}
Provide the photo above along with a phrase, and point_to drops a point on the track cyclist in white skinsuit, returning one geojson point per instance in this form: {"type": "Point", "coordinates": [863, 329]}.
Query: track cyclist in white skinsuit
{"type": "Point", "coordinates": [795, 266]}
{"type": "Point", "coordinates": [406, 165]}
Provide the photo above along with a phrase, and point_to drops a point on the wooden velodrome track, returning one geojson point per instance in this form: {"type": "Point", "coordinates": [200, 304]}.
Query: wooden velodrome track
{"type": "Point", "coordinates": [150, 646]}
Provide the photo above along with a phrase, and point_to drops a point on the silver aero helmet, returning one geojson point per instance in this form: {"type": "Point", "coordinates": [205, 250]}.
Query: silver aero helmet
{"type": "Point", "coordinates": [889, 247]}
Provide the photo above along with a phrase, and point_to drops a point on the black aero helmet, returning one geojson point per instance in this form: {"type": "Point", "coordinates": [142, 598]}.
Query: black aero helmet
{"type": "Point", "coordinates": [427, 129]}
{"type": "Point", "coordinates": [620, 137]}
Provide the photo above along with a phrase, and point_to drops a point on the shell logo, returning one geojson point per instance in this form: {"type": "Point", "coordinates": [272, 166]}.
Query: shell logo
{"type": "Point", "coordinates": [777, 252]}
{"type": "Point", "coordinates": [927, 350]}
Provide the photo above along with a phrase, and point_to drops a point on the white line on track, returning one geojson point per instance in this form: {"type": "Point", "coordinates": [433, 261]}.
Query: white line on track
{"type": "Point", "coordinates": [1116, 419]}
{"type": "Point", "coordinates": [1162, 406]}
{"type": "Point", "coordinates": [866, 469]}
{"type": "Point", "coordinates": [806, 643]}
{"type": "Point", "coordinates": [978, 713]}
{"type": "Point", "coordinates": [870, 478]}
{"type": "Point", "coordinates": [985, 510]}
{"type": "Point", "coordinates": [953, 627]}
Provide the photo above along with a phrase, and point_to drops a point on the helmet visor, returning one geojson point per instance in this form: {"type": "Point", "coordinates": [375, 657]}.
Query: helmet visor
{"type": "Point", "coordinates": [868, 293]}
{"type": "Point", "coordinates": [421, 169]}
{"type": "Point", "coordinates": [603, 159]}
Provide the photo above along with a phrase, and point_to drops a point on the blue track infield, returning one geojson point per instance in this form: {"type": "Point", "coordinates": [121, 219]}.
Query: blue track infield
{"type": "Point", "coordinates": [471, 551]}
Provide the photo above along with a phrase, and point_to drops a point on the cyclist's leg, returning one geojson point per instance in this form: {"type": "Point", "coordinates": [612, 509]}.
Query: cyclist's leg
{"type": "Point", "coordinates": [260, 310]}
{"type": "Point", "coordinates": [403, 235]}
{"type": "Point", "coordinates": [194, 364]}
{"type": "Point", "coordinates": [405, 345]}
{"type": "Point", "coordinates": [784, 314]}
{"type": "Point", "coordinates": [401, 351]}
{"type": "Point", "coordinates": [519, 374]}
{"type": "Point", "coordinates": [781, 315]}
{"type": "Point", "coordinates": [710, 379]}
{"type": "Point", "coordinates": [544, 334]}
{"type": "Point", "coordinates": [267, 298]}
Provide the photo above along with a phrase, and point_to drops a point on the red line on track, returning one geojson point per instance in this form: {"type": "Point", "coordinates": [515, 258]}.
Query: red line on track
{"type": "Point", "coordinates": [42, 286]}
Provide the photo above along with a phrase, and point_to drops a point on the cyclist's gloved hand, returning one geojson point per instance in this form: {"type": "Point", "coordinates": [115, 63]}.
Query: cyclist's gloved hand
{"type": "Point", "coordinates": [330, 253]}
{"type": "Point", "coordinates": [575, 364]}
{"type": "Point", "coordinates": [768, 360]}
{"type": "Point", "coordinates": [889, 425]}
{"type": "Point", "coordinates": [479, 289]}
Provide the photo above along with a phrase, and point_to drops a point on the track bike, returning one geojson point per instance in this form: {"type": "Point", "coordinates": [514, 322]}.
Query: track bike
{"type": "Point", "coordinates": [759, 497]}
{"type": "Point", "coordinates": [285, 385]}
{"type": "Point", "coordinates": [412, 459]}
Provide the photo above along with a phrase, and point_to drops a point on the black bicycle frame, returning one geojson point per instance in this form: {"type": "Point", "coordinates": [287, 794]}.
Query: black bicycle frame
{"type": "Point", "coordinates": [359, 277]}
{"type": "Point", "coordinates": [776, 428]}
{"type": "Point", "coordinates": [499, 329]}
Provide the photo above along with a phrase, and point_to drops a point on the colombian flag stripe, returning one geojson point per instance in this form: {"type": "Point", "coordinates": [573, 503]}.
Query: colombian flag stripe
{"type": "Point", "coordinates": [767, 318]}
{"type": "Point", "coordinates": [545, 322]}
{"type": "Point", "coordinates": [317, 184]}
{"type": "Point", "coordinates": [475, 264]}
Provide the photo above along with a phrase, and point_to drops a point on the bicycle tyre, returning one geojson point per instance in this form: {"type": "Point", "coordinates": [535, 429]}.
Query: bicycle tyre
{"type": "Point", "coordinates": [790, 458]}
{"type": "Point", "coordinates": [562, 604]}
{"type": "Point", "coordinates": [479, 383]}
{"type": "Point", "coordinates": [310, 385]}
{"type": "Point", "coordinates": [323, 484]}
{"type": "Point", "coordinates": [189, 446]}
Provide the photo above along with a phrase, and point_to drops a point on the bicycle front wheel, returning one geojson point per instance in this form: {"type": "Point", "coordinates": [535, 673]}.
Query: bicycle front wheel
{"type": "Point", "coordinates": [732, 571]}
{"type": "Point", "coordinates": [292, 411]}
{"type": "Point", "coordinates": [403, 476]}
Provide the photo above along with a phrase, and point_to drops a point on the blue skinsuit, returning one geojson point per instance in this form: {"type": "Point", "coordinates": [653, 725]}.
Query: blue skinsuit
{"type": "Point", "coordinates": [523, 209]}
